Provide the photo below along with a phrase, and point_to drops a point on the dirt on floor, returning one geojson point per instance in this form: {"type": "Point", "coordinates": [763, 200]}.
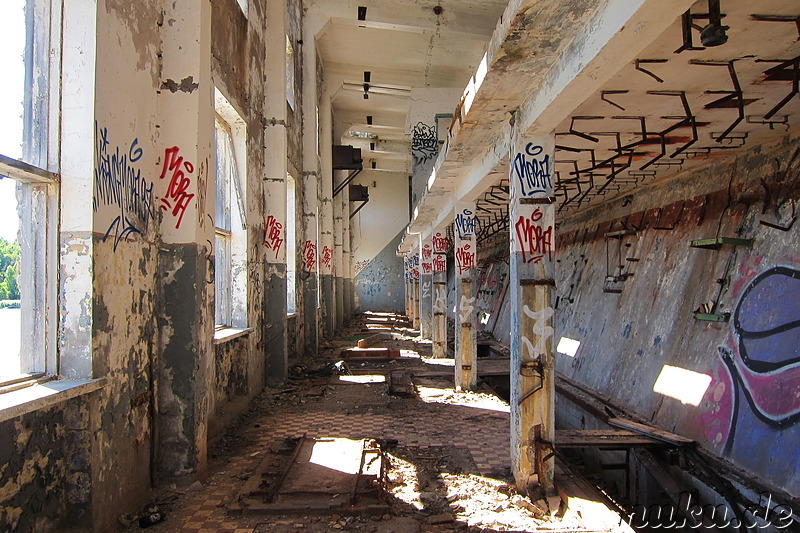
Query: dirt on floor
{"type": "Point", "coordinates": [446, 457]}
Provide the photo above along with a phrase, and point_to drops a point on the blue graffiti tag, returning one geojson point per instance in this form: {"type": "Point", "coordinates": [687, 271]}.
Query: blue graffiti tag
{"type": "Point", "coordinates": [465, 224]}
{"type": "Point", "coordinates": [119, 184]}
{"type": "Point", "coordinates": [533, 175]}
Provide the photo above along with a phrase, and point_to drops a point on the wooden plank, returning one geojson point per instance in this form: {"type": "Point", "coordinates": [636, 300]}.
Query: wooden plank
{"type": "Point", "coordinates": [650, 431]}
{"type": "Point", "coordinates": [620, 438]}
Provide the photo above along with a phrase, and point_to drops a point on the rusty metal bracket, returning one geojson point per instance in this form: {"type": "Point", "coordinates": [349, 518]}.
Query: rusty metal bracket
{"type": "Point", "coordinates": [604, 94]}
{"type": "Point", "coordinates": [638, 66]}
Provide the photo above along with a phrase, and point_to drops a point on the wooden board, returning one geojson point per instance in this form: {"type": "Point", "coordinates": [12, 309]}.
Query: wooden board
{"type": "Point", "coordinates": [602, 438]}
{"type": "Point", "coordinates": [650, 431]}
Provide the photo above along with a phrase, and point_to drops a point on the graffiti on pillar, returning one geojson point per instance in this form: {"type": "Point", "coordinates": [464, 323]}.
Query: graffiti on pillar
{"type": "Point", "coordinates": [427, 268]}
{"type": "Point", "coordinates": [426, 289]}
{"type": "Point", "coordinates": [466, 309]}
{"type": "Point", "coordinates": [326, 258]}
{"type": "Point", "coordinates": [440, 302]}
{"type": "Point", "coordinates": [542, 331]}
{"type": "Point", "coordinates": [176, 200]}
{"type": "Point", "coordinates": [273, 234]}
{"type": "Point", "coordinates": [427, 253]}
{"type": "Point", "coordinates": [465, 258]}
{"type": "Point", "coordinates": [534, 236]}
{"type": "Point", "coordinates": [439, 243]}
{"type": "Point", "coordinates": [439, 264]}
{"type": "Point", "coordinates": [465, 224]}
{"type": "Point", "coordinates": [754, 395]}
{"type": "Point", "coordinates": [119, 184]}
{"type": "Point", "coordinates": [531, 171]}
{"type": "Point", "coordinates": [310, 256]}
{"type": "Point", "coordinates": [424, 144]}
{"type": "Point", "coordinates": [415, 266]}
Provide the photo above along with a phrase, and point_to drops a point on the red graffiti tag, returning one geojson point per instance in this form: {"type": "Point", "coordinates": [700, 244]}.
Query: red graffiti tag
{"type": "Point", "coordinates": [273, 234]}
{"type": "Point", "coordinates": [439, 263]}
{"type": "Point", "coordinates": [427, 253]}
{"type": "Point", "coordinates": [177, 199]}
{"type": "Point", "coordinates": [310, 256]}
{"type": "Point", "coordinates": [465, 258]}
{"type": "Point", "coordinates": [439, 243]}
{"type": "Point", "coordinates": [535, 241]}
{"type": "Point", "coordinates": [327, 256]}
{"type": "Point", "coordinates": [427, 268]}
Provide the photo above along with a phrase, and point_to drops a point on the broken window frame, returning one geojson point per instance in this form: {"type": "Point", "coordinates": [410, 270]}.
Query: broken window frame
{"type": "Point", "coordinates": [37, 192]}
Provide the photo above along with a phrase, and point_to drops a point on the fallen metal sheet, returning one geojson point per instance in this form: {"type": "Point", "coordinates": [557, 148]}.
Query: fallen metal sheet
{"type": "Point", "coordinates": [342, 476]}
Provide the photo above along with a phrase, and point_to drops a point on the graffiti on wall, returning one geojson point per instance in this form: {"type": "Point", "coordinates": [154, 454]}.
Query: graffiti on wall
{"type": "Point", "coordinates": [439, 242]}
{"type": "Point", "coordinates": [326, 258]}
{"type": "Point", "coordinates": [531, 171]}
{"type": "Point", "coordinates": [542, 331]}
{"type": "Point", "coordinates": [465, 224]}
{"type": "Point", "coordinates": [273, 234]}
{"type": "Point", "coordinates": [426, 289]}
{"type": "Point", "coordinates": [119, 185]}
{"type": "Point", "coordinates": [534, 235]}
{"type": "Point", "coordinates": [755, 392]}
{"type": "Point", "coordinates": [465, 259]}
{"type": "Point", "coordinates": [424, 144]}
{"type": "Point", "coordinates": [179, 170]}
{"type": "Point", "coordinates": [439, 264]}
{"type": "Point", "coordinates": [310, 256]}
{"type": "Point", "coordinates": [466, 309]}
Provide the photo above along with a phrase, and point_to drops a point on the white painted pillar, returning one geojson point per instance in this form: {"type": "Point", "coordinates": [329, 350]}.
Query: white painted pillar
{"type": "Point", "coordinates": [532, 221]}
{"type": "Point", "coordinates": [426, 290]}
{"type": "Point", "coordinates": [439, 243]}
{"type": "Point", "coordinates": [310, 189]}
{"type": "Point", "coordinates": [415, 262]}
{"type": "Point", "coordinates": [276, 167]}
{"type": "Point", "coordinates": [466, 335]}
{"type": "Point", "coordinates": [326, 241]}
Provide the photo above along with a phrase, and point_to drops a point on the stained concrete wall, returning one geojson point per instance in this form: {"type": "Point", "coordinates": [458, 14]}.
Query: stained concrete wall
{"type": "Point", "coordinates": [380, 285]}
{"type": "Point", "coordinates": [135, 297]}
{"type": "Point", "coordinates": [748, 413]}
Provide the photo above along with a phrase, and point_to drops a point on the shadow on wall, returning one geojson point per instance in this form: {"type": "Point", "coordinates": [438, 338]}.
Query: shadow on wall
{"type": "Point", "coordinates": [379, 283]}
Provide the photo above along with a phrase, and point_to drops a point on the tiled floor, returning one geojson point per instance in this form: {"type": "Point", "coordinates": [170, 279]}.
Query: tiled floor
{"type": "Point", "coordinates": [484, 433]}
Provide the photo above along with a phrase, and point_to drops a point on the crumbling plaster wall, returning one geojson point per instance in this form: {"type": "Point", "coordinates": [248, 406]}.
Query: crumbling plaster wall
{"type": "Point", "coordinates": [748, 414]}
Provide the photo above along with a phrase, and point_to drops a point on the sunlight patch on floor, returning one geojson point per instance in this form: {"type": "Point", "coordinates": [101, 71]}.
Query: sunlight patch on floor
{"type": "Point", "coordinates": [367, 378]}
{"type": "Point", "coordinates": [475, 400]}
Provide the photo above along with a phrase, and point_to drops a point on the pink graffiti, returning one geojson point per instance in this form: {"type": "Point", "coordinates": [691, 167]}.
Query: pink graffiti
{"type": "Point", "coordinates": [273, 234]}
{"type": "Point", "coordinates": [439, 243]}
{"type": "Point", "coordinates": [535, 241]}
{"type": "Point", "coordinates": [327, 257]}
{"type": "Point", "coordinates": [177, 199]}
{"type": "Point", "coordinates": [415, 273]}
{"type": "Point", "coordinates": [310, 256]}
{"type": "Point", "coordinates": [465, 258]}
{"type": "Point", "coordinates": [439, 263]}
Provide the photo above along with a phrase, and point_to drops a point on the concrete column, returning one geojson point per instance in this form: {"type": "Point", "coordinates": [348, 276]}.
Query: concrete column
{"type": "Point", "coordinates": [185, 186]}
{"type": "Point", "coordinates": [338, 252]}
{"type": "Point", "coordinates": [407, 277]}
{"type": "Point", "coordinates": [466, 335]}
{"type": "Point", "coordinates": [426, 290]}
{"type": "Point", "coordinates": [276, 167]}
{"type": "Point", "coordinates": [326, 255]}
{"type": "Point", "coordinates": [439, 243]}
{"type": "Point", "coordinates": [414, 316]}
{"type": "Point", "coordinates": [532, 221]}
{"type": "Point", "coordinates": [347, 274]}
{"type": "Point", "coordinates": [311, 175]}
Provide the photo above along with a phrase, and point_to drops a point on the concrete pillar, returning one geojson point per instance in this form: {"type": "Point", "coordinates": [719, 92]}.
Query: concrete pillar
{"type": "Point", "coordinates": [276, 167]}
{"type": "Point", "coordinates": [532, 221]}
{"type": "Point", "coordinates": [347, 274]}
{"type": "Point", "coordinates": [326, 255]}
{"type": "Point", "coordinates": [311, 173]}
{"type": "Point", "coordinates": [186, 190]}
{"type": "Point", "coordinates": [439, 243]}
{"type": "Point", "coordinates": [338, 252]}
{"type": "Point", "coordinates": [426, 290]}
{"type": "Point", "coordinates": [466, 335]}
{"type": "Point", "coordinates": [407, 277]}
{"type": "Point", "coordinates": [414, 316]}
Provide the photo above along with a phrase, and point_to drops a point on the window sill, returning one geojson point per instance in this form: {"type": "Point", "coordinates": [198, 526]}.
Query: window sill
{"type": "Point", "coordinates": [292, 315]}
{"type": "Point", "coordinates": [43, 395]}
{"type": "Point", "coordinates": [228, 334]}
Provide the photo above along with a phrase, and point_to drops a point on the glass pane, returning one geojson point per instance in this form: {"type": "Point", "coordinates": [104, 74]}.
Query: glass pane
{"type": "Point", "coordinates": [12, 65]}
{"type": "Point", "coordinates": [222, 217]}
{"type": "Point", "coordinates": [10, 312]}
{"type": "Point", "coordinates": [222, 281]}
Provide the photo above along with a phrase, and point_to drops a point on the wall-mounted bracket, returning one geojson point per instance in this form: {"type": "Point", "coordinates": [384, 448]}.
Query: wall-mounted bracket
{"type": "Point", "coordinates": [712, 317]}
{"type": "Point", "coordinates": [717, 242]}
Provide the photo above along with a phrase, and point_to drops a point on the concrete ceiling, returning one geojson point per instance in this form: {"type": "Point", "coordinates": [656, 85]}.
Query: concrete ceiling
{"type": "Point", "coordinates": [551, 64]}
{"type": "Point", "coordinates": [403, 44]}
